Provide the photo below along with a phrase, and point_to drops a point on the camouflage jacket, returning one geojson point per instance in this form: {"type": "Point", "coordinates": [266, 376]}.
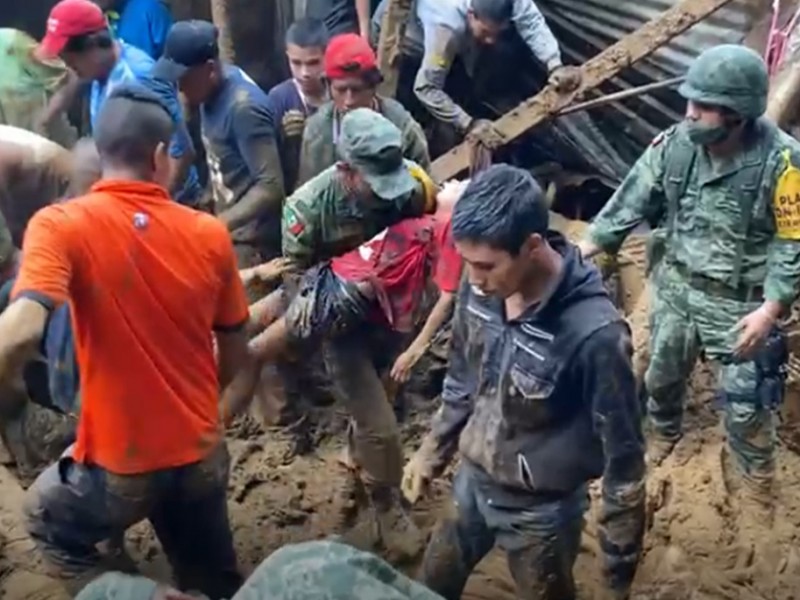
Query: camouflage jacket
{"type": "Point", "coordinates": [547, 401]}
{"type": "Point", "coordinates": [320, 220]}
{"type": "Point", "coordinates": [318, 151]}
{"type": "Point", "coordinates": [736, 222]}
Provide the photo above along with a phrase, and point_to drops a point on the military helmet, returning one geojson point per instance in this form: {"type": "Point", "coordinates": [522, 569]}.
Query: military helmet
{"type": "Point", "coordinates": [729, 75]}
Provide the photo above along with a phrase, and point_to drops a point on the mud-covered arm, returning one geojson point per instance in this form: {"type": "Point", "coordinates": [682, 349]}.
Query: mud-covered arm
{"type": "Point", "coordinates": [536, 34]}
{"type": "Point", "coordinates": [441, 44]}
{"type": "Point", "coordinates": [307, 168]}
{"type": "Point", "coordinates": [783, 257]}
{"type": "Point", "coordinates": [460, 385]}
{"type": "Point", "coordinates": [603, 368]}
{"type": "Point", "coordinates": [255, 138]}
{"type": "Point", "coordinates": [639, 198]}
{"type": "Point", "coordinates": [42, 285]}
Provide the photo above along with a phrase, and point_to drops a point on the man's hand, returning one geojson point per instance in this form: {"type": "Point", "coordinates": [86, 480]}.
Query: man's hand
{"type": "Point", "coordinates": [417, 476]}
{"type": "Point", "coordinates": [484, 131]}
{"type": "Point", "coordinates": [566, 79]}
{"type": "Point", "coordinates": [401, 370]}
{"type": "Point", "coordinates": [754, 329]}
{"type": "Point", "coordinates": [267, 272]}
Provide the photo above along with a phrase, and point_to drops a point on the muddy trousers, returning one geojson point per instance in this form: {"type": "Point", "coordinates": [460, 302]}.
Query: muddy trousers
{"type": "Point", "coordinates": [71, 508]}
{"type": "Point", "coordinates": [354, 360]}
{"type": "Point", "coordinates": [684, 322]}
{"type": "Point", "coordinates": [541, 541]}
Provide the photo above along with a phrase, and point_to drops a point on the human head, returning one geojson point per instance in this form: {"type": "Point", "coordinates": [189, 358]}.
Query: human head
{"type": "Point", "coordinates": [86, 167]}
{"type": "Point", "coordinates": [191, 58]}
{"type": "Point", "coordinates": [77, 32]}
{"type": "Point", "coordinates": [725, 87]}
{"type": "Point", "coordinates": [306, 41]}
{"type": "Point", "coordinates": [352, 71]}
{"type": "Point", "coordinates": [371, 149]}
{"type": "Point", "coordinates": [488, 19]}
{"type": "Point", "coordinates": [117, 586]}
{"type": "Point", "coordinates": [132, 134]}
{"type": "Point", "coordinates": [499, 225]}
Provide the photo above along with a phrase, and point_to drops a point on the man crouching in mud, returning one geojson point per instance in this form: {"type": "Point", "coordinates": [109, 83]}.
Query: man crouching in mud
{"type": "Point", "coordinates": [540, 399]}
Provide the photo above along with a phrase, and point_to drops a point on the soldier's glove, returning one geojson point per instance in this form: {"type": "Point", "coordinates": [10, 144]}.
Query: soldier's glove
{"type": "Point", "coordinates": [417, 475]}
{"type": "Point", "coordinates": [566, 79]}
{"type": "Point", "coordinates": [484, 132]}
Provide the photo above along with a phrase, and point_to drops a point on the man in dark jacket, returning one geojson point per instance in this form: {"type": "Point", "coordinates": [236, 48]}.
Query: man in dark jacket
{"type": "Point", "coordinates": [540, 399]}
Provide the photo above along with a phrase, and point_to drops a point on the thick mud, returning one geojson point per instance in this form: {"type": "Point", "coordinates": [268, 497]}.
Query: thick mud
{"type": "Point", "coordinates": [694, 546]}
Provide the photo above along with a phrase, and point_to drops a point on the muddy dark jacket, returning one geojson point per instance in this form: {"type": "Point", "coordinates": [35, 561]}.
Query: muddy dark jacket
{"type": "Point", "coordinates": [547, 402]}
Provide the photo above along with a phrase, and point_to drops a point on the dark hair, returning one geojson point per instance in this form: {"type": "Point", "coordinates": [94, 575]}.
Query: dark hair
{"type": "Point", "coordinates": [372, 76]}
{"type": "Point", "coordinates": [308, 33]}
{"type": "Point", "coordinates": [131, 125]}
{"type": "Point", "coordinates": [88, 41]}
{"type": "Point", "coordinates": [493, 11]}
{"type": "Point", "coordinates": [501, 207]}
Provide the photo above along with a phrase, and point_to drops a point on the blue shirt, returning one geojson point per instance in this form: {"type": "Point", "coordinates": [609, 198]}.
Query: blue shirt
{"type": "Point", "coordinates": [289, 113]}
{"type": "Point", "coordinates": [238, 134]}
{"type": "Point", "coordinates": [143, 24]}
{"type": "Point", "coordinates": [135, 65]}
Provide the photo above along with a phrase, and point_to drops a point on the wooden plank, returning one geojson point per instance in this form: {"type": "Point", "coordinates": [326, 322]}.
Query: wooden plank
{"type": "Point", "coordinates": [393, 29]}
{"type": "Point", "coordinates": [597, 70]}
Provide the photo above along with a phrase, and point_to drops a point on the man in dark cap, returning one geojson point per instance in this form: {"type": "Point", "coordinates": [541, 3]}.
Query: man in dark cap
{"type": "Point", "coordinates": [238, 134]}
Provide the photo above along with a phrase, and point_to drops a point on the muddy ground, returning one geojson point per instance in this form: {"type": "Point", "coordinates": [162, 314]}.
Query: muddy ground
{"type": "Point", "coordinates": [693, 549]}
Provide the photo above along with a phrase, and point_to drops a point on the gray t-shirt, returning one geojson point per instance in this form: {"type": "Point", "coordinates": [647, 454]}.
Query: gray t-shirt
{"type": "Point", "coordinates": [339, 16]}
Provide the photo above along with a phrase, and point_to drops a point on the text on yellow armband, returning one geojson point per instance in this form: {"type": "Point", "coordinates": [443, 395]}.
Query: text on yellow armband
{"type": "Point", "coordinates": [786, 201]}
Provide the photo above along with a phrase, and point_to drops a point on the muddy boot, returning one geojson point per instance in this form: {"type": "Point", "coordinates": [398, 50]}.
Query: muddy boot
{"type": "Point", "coordinates": [658, 449]}
{"type": "Point", "coordinates": [399, 536]}
{"type": "Point", "coordinates": [756, 507]}
{"type": "Point", "coordinates": [351, 498]}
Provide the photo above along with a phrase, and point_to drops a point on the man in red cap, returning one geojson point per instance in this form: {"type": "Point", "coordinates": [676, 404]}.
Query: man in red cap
{"type": "Point", "coordinates": [77, 31]}
{"type": "Point", "coordinates": [351, 69]}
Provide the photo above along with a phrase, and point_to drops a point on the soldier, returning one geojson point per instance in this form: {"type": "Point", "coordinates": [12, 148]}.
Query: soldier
{"type": "Point", "coordinates": [539, 398]}
{"type": "Point", "coordinates": [371, 188]}
{"type": "Point", "coordinates": [722, 188]}
{"type": "Point", "coordinates": [353, 76]}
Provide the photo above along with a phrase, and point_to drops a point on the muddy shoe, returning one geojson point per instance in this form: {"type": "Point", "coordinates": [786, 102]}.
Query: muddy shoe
{"type": "Point", "coordinates": [399, 536]}
{"type": "Point", "coordinates": [659, 449]}
{"type": "Point", "coordinates": [351, 497]}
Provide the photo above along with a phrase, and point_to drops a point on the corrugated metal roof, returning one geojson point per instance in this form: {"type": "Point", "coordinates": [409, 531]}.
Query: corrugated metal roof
{"type": "Point", "coordinates": [586, 27]}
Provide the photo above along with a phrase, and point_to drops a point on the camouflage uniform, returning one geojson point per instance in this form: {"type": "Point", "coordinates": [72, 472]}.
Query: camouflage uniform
{"type": "Point", "coordinates": [323, 219]}
{"type": "Point", "coordinates": [322, 570]}
{"type": "Point", "coordinates": [318, 151]}
{"type": "Point", "coordinates": [724, 242]}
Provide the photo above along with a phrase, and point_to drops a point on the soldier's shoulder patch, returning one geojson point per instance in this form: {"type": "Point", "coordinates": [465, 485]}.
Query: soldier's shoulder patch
{"type": "Point", "coordinates": [292, 222]}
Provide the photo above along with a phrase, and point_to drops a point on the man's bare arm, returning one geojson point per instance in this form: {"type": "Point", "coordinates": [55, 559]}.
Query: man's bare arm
{"type": "Point", "coordinates": [21, 329]}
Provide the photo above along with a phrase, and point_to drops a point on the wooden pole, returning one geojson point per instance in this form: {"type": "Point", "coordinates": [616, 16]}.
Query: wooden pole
{"type": "Point", "coordinates": [597, 70]}
{"type": "Point", "coordinates": [390, 44]}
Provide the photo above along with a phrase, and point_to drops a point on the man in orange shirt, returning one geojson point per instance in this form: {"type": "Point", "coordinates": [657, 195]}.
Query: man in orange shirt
{"type": "Point", "coordinates": [147, 281]}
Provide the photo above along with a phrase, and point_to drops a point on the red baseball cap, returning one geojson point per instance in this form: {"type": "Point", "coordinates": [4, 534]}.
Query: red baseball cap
{"type": "Point", "coordinates": [68, 19]}
{"type": "Point", "coordinates": [348, 54]}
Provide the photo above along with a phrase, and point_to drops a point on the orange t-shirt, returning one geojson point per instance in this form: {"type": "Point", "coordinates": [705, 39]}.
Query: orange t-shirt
{"type": "Point", "coordinates": [148, 280]}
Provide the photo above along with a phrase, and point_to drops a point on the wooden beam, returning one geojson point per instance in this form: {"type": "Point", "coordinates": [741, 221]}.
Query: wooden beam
{"type": "Point", "coordinates": [547, 103]}
{"type": "Point", "coordinates": [390, 43]}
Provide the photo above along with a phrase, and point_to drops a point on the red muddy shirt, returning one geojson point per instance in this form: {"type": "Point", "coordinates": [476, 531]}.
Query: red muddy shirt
{"type": "Point", "coordinates": [397, 262]}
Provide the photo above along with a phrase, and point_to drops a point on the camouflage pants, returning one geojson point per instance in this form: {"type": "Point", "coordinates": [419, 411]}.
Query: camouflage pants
{"type": "Point", "coordinates": [541, 541]}
{"type": "Point", "coordinates": [72, 507]}
{"type": "Point", "coordinates": [686, 321]}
